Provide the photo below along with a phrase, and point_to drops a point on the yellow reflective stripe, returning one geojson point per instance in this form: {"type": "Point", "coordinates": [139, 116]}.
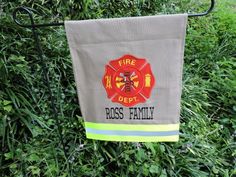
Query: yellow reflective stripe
{"type": "Point", "coordinates": [172, 138]}
{"type": "Point", "coordinates": [137, 127]}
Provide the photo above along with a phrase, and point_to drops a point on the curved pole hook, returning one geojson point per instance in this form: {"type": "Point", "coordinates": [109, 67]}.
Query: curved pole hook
{"type": "Point", "coordinates": [206, 12]}
{"type": "Point", "coordinates": [29, 11]}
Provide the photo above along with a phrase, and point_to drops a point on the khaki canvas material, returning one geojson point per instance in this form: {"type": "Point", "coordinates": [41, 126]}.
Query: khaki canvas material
{"type": "Point", "coordinates": [157, 39]}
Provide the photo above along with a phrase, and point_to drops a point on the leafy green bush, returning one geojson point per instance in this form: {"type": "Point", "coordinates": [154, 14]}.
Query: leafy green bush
{"type": "Point", "coordinates": [29, 142]}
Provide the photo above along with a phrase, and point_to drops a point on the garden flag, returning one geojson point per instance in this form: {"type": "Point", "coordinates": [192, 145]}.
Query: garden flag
{"type": "Point", "coordinates": [128, 73]}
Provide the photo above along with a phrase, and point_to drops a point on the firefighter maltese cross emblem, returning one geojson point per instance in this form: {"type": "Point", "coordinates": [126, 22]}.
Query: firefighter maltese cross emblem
{"type": "Point", "coordinates": [128, 80]}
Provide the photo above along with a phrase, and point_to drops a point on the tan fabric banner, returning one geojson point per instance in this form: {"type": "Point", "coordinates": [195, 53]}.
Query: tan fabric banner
{"type": "Point", "coordinates": [128, 73]}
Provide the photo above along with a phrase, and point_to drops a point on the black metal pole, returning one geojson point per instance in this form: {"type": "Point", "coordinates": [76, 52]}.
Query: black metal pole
{"type": "Point", "coordinates": [46, 78]}
{"type": "Point", "coordinates": [45, 71]}
{"type": "Point", "coordinates": [212, 5]}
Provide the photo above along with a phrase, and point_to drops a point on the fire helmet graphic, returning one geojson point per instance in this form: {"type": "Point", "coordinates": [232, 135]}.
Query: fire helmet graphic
{"type": "Point", "coordinates": [128, 80]}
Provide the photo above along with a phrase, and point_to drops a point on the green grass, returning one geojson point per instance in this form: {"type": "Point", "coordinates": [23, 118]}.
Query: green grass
{"type": "Point", "coordinates": [29, 139]}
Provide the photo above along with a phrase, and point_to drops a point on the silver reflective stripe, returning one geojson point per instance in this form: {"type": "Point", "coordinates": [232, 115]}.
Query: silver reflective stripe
{"type": "Point", "coordinates": [132, 133]}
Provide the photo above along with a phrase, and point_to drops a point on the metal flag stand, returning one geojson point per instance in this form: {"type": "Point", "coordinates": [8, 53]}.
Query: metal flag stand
{"type": "Point", "coordinates": [34, 27]}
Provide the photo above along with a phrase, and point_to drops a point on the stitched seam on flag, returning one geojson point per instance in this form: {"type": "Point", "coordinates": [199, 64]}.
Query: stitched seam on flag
{"type": "Point", "coordinates": [137, 127]}
{"type": "Point", "coordinates": [173, 138]}
{"type": "Point", "coordinates": [132, 133]}
{"type": "Point", "coordinates": [125, 41]}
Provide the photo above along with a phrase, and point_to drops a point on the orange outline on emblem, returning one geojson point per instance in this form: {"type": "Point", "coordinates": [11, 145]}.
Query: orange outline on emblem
{"type": "Point", "coordinates": [128, 80]}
